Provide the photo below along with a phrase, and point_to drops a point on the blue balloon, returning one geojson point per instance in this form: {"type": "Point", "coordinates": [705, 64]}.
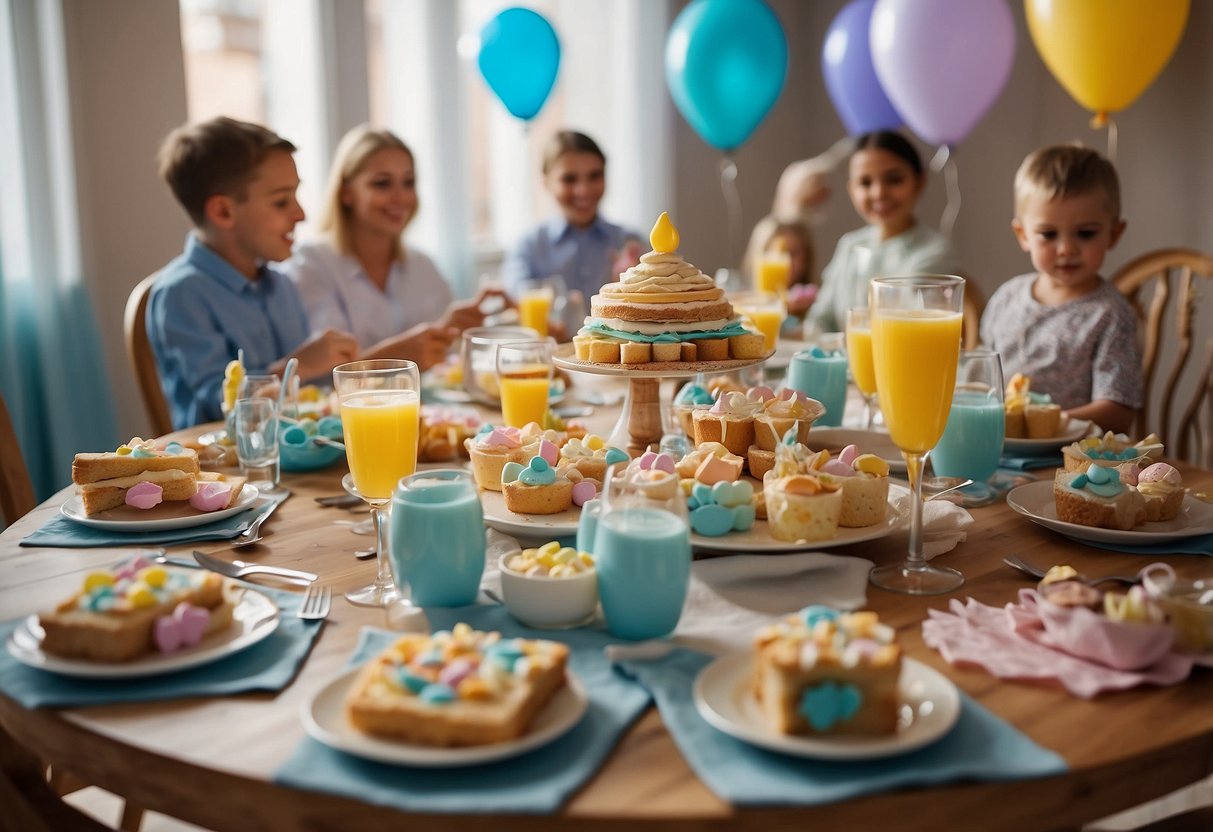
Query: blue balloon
{"type": "Point", "coordinates": [519, 58]}
{"type": "Point", "coordinates": [725, 62]}
{"type": "Point", "coordinates": [846, 62]}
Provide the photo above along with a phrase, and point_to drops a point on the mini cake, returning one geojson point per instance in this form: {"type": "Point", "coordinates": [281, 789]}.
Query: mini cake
{"type": "Point", "coordinates": [493, 447]}
{"type": "Point", "coordinates": [1029, 414]}
{"type": "Point", "coordinates": [1110, 451]}
{"type": "Point", "coordinates": [663, 303]}
{"type": "Point", "coordinates": [1097, 497]}
{"type": "Point", "coordinates": [443, 431]}
{"type": "Point", "coordinates": [1162, 487]}
{"type": "Point", "coordinates": [802, 506]}
{"type": "Point", "coordinates": [789, 409]}
{"type": "Point", "coordinates": [102, 479]}
{"type": "Point", "coordinates": [137, 608]}
{"type": "Point", "coordinates": [591, 456]}
{"type": "Point", "coordinates": [689, 399]}
{"type": "Point", "coordinates": [654, 475]}
{"type": "Point", "coordinates": [535, 489]}
{"type": "Point", "coordinates": [710, 463]}
{"type": "Point", "coordinates": [456, 688]}
{"type": "Point", "coordinates": [825, 672]}
{"type": "Point", "coordinates": [865, 486]}
{"type": "Point", "coordinates": [730, 421]}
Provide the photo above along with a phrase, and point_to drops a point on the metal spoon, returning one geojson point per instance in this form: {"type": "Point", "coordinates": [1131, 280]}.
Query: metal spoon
{"type": "Point", "coordinates": [1036, 572]}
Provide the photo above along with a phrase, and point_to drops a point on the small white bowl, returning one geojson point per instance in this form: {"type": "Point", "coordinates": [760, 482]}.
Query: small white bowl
{"type": "Point", "coordinates": [549, 603]}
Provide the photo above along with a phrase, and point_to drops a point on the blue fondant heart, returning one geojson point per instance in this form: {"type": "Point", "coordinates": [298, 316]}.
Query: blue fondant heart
{"type": "Point", "coordinates": [830, 703]}
{"type": "Point", "coordinates": [703, 493]}
{"type": "Point", "coordinates": [712, 520]}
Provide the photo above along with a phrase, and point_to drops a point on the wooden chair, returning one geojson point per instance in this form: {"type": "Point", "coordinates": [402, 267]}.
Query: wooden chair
{"type": "Point", "coordinates": [143, 361]}
{"type": "Point", "coordinates": [1171, 334]}
{"type": "Point", "coordinates": [16, 489]}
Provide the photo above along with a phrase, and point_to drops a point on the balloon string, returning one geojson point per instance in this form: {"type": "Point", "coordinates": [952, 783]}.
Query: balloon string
{"type": "Point", "coordinates": [732, 201]}
{"type": "Point", "coordinates": [951, 211]}
{"type": "Point", "coordinates": [1112, 140]}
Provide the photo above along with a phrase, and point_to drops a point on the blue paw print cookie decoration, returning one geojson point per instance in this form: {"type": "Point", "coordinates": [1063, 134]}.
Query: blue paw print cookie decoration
{"type": "Point", "coordinates": [716, 510]}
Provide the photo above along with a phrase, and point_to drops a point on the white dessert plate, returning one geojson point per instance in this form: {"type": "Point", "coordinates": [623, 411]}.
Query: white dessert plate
{"type": "Point", "coordinates": [868, 441]}
{"type": "Point", "coordinates": [1035, 501]}
{"type": "Point", "coordinates": [254, 618]}
{"type": "Point", "coordinates": [533, 527]}
{"type": "Point", "coordinates": [324, 719]}
{"type": "Point", "coordinates": [171, 514]}
{"type": "Point", "coordinates": [1075, 430]}
{"type": "Point", "coordinates": [724, 697]}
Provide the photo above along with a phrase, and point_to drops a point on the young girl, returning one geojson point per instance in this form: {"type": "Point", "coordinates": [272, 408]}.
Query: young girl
{"type": "Point", "coordinates": [359, 276]}
{"type": "Point", "coordinates": [1064, 325]}
{"type": "Point", "coordinates": [578, 245]}
{"type": "Point", "coordinates": [885, 181]}
{"type": "Point", "coordinates": [792, 238]}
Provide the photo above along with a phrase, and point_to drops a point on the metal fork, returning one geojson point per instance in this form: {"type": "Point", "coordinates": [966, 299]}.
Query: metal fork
{"type": "Point", "coordinates": [1036, 572]}
{"type": "Point", "coordinates": [316, 603]}
{"type": "Point", "coordinates": [253, 533]}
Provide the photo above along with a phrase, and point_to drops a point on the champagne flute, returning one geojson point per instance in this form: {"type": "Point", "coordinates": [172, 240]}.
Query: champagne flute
{"type": "Point", "coordinates": [915, 349]}
{"type": "Point", "coordinates": [380, 402]}
{"type": "Point", "coordinates": [859, 351]}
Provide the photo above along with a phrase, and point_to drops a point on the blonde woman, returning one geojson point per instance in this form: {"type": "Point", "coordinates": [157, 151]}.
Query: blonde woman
{"type": "Point", "coordinates": [359, 276]}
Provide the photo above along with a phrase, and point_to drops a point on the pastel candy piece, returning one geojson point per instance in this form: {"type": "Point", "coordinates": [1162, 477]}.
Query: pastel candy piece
{"type": "Point", "coordinates": [437, 694]}
{"type": "Point", "coordinates": [583, 492]}
{"type": "Point", "coordinates": [166, 634]}
{"type": "Point", "coordinates": [731, 494]}
{"type": "Point", "coordinates": [1099, 474]}
{"type": "Point", "coordinates": [593, 441]}
{"type": "Point", "coordinates": [123, 450]}
{"type": "Point", "coordinates": [713, 469]}
{"type": "Point", "coordinates": [711, 521]}
{"type": "Point", "coordinates": [485, 429]}
{"type": "Point", "coordinates": [664, 462]}
{"type": "Point", "coordinates": [141, 453]}
{"type": "Point", "coordinates": [817, 612]}
{"type": "Point", "coordinates": [803, 485]}
{"type": "Point", "coordinates": [693, 394]}
{"type": "Point", "coordinates": [872, 464]}
{"type": "Point", "coordinates": [761, 393]}
{"type": "Point", "coordinates": [154, 576]}
{"type": "Point", "coordinates": [838, 468]}
{"type": "Point", "coordinates": [614, 455]}
{"type": "Point", "coordinates": [1160, 472]}
{"type": "Point", "coordinates": [848, 455]}
{"type": "Point", "coordinates": [702, 494]}
{"type": "Point", "coordinates": [1130, 473]}
{"type": "Point", "coordinates": [499, 438]}
{"type": "Point", "coordinates": [537, 473]}
{"type": "Point", "coordinates": [829, 703]}
{"type": "Point", "coordinates": [510, 471]}
{"type": "Point", "coordinates": [411, 680]}
{"type": "Point", "coordinates": [174, 448]}
{"type": "Point", "coordinates": [295, 435]}
{"type": "Point", "coordinates": [548, 452]}
{"type": "Point", "coordinates": [144, 495]}
{"type": "Point", "coordinates": [193, 622]}
{"type": "Point", "coordinates": [211, 496]}
{"type": "Point", "coordinates": [692, 504]}
{"type": "Point", "coordinates": [818, 352]}
{"type": "Point", "coordinates": [455, 672]}
{"type": "Point", "coordinates": [743, 517]}
{"type": "Point", "coordinates": [787, 394]}
{"type": "Point", "coordinates": [646, 460]}
{"type": "Point", "coordinates": [140, 595]}
{"type": "Point", "coordinates": [95, 580]}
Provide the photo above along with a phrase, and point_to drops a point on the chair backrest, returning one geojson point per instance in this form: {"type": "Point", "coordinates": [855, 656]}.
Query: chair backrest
{"type": "Point", "coordinates": [974, 305]}
{"type": "Point", "coordinates": [16, 489]}
{"type": "Point", "coordinates": [143, 361]}
{"type": "Point", "coordinates": [1163, 288]}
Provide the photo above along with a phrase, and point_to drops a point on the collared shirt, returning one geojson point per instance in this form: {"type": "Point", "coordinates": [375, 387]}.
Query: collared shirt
{"type": "Point", "coordinates": [862, 255]}
{"type": "Point", "coordinates": [338, 294]}
{"type": "Point", "coordinates": [201, 311]}
{"type": "Point", "coordinates": [582, 256]}
{"type": "Point", "coordinates": [1079, 352]}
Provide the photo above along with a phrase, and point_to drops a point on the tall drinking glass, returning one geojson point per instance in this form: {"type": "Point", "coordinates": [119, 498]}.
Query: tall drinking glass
{"type": "Point", "coordinates": [379, 411]}
{"type": "Point", "coordinates": [524, 371]}
{"type": "Point", "coordinates": [971, 445]}
{"type": "Point", "coordinates": [540, 301]}
{"type": "Point", "coordinates": [915, 349]}
{"type": "Point", "coordinates": [859, 352]}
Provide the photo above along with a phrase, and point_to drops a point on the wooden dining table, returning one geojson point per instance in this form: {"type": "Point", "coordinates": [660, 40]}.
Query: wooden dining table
{"type": "Point", "coordinates": [209, 760]}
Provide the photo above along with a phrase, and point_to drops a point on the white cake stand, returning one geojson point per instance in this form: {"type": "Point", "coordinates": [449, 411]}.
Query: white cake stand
{"type": "Point", "coordinates": [640, 425]}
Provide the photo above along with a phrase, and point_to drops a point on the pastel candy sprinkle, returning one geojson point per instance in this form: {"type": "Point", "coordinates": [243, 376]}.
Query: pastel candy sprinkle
{"type": "Point", "coordinates": [583, 492]}
{"type": "Point", "coordinates": [818, 352]}
{"type": "Point", "coordinates": [664, 462]}
{"type": "Point", "coordinates": [154, 576]}
{"type": "Point", "coordinates": [184, 628]}
{"type": "Point", "coordinates": [702, 493]}
{"type": "Point", "coordinates": [760, 393]}
{"type": "Point", "coordinates": [174, 448]}
{"type": "Point", "coordinates": [711, 520]}
{"type": "Point", "coordinates": [537, 472]}
{"type": "Point", "coordinates": [593, 441]}
{"type": "Point", "coordinates": [614, 455]}
{"type": "Point", "coordinates": [744, 517]}
{"type": "Point", "coordinates": [144, 495]}
{"type": "Point", "coordinates": [140, 595]}
{"type": "Point", "coordinates": [437, 694]}
{"type": "Point", "coordinates": [848, 455]}
{"type": "Point", "coordinates": [731, 494]}
{"type": "Point", "coordinates": [123, 450]}
{"type": "Point", "coordinates": [646, 460]}
{"type": "Point", "coordinates": [96, 580]}
{"type": "Point", "coordinates": [548, 452]}
{"type": "Point", "coordinates": [872, 464]}
{"type": "Point", "coordinates": [1160, 472]}
{"type": "Point", "coordinates": [511, 471]}
{"type": "Point", "coordinates": [830, 703]}
{"type": "Point", "coordinates": [211, 496]}
{"type": "Point", "coordinates": [817, 612]}
{"type": "Point", "coordinates": [838, 468]}
{"type": "Point", "coordinates": [499, 438]}
{"type": "Point", "coordinates": [456, 672]}
{"type": "Point", "coordinates": [787, 394]}
{"type": "Point", "coordinates": [410, 680]}
{"type": "Point", "coordinates": [142, 453]}
{"type": "Point", "coordinates": [693, 394]}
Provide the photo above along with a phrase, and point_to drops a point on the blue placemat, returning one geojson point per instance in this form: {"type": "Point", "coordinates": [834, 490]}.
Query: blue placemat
{"type": "Point", "coordinates": [536, 782]}
{"type": "Point", "coordinates": [1030, 463]}
{"type": "Point", "coordinates": [1197, 545]}
{"type": "Point", "coordinates": [61, 532]}
{"type": "Point", "coordinates": [980, 747]}
{"type": "Point", "coordinates": [269, 664]}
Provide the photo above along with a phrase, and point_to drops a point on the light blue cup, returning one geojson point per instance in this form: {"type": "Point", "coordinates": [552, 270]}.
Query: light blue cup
{"type": "Point", "coordinates": [971, 445]}
{"type": "Point", "coordinates": [644, 566]}
{"type": "Point", "coordinates": [587, 525]}
{"type": "Point", "coordinates": [437, 538]}
{"type": "Point", "coordinates": [821, 374]}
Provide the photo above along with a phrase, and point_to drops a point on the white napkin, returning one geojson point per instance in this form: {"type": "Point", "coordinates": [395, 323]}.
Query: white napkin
{"type": "Point", "coordinates": [943, 525]}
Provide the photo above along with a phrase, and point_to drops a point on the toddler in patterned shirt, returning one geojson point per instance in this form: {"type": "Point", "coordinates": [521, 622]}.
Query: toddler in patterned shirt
{"type": "Point", "coordinates": [1064, 325]}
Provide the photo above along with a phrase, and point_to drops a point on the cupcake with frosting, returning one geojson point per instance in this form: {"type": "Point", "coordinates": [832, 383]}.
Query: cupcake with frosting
{"type": "Point", "coordinates": [1162, 487]}
{"type": "Point", "coordinates": [591, 456]}
{"type": "Point", "coordinates": [1110, 451]}
{"type": "Point", "coordinates": [864, 479]}
{"type": "Point", "coordinates": [1097, 497]}
{"type": "Point", "coordinates": [493, 447]}
{"type": "Point", "coordinates": [787, 409]}
{"type": "Point", "coordinates": [537, 487]}
{"type": "Point", "coordinates": [730, 421]}
{"type": "Point", "coordinates": [688, 400]}
{"type": "Point", "coordinates": [800, 505]}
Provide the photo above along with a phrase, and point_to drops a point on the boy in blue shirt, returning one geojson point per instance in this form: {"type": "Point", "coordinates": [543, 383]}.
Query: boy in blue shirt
{"type": "Point", "coordinates": [237, 182]}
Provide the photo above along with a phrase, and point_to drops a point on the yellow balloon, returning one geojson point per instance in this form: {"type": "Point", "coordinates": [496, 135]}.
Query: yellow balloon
{"type": "Point", "coordinates": [1106, 52]}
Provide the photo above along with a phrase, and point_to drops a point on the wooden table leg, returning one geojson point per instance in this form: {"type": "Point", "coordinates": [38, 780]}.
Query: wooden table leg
{"type": "Point", "coordinates": [644, 418]}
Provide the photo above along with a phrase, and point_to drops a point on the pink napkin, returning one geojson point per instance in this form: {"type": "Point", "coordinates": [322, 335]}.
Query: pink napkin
{"type": "Point", "coordinates": [1010, 645]}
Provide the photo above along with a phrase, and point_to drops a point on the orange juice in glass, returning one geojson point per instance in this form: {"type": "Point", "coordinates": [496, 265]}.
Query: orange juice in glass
{"type": "Point", "coordinates": [915, 349]}
{"type": "Point", "coordinates": [859, 352]}
{"type": "Point", "coordinates": [534, 307]}
{"type": "Point", "coordinates": [380, 403]}
{"type": "Point", "coordinates": [773, 273]}
{"type": "Point", "coordinates": [766, 311]}
{"type": "Point", "coordinates": [524, 373]}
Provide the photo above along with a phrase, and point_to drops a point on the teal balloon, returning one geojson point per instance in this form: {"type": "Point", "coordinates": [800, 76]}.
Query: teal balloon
{"type": "Point", "coordinates": [519, 58]}
{"type": "Point", "coordinates": [725, 63]}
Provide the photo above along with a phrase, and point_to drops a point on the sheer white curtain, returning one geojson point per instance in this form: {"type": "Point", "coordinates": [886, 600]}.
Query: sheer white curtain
{"type": "Point", "coordinates": [51, 370]}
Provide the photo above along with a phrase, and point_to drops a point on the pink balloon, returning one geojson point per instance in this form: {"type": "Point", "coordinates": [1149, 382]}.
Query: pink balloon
{"type": "Point", "coordinates": [942, 63]}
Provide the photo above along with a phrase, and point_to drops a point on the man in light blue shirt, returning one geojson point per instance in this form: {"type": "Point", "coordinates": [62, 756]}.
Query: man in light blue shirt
{"type": "Point", "coordinates": [582, 256]}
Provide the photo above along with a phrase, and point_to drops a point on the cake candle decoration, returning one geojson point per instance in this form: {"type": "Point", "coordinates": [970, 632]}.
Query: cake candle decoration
{"type": "Point", "coordinates": [664, 236]}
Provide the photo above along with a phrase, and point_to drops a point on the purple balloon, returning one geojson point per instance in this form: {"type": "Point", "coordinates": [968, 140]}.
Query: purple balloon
{"type": "Point", "coordinates": [942, 63]}
{"type": "Point", "coordinates": [846, 62]}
